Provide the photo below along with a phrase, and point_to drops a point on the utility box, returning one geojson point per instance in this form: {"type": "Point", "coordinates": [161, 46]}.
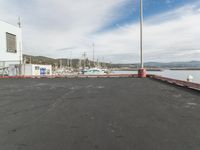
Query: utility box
{"type": "Point", "coordinates": [36, 70]}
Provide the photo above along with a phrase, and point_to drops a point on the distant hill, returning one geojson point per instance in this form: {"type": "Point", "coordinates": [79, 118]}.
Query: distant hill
{"type": "Point", "coordinates": [190, 64]}
{"type": "Point", "coordinates": [76, 63]}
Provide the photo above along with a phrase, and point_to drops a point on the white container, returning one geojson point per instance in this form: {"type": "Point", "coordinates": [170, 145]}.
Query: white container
{"type": "Point", "coordinates": [36, 70]}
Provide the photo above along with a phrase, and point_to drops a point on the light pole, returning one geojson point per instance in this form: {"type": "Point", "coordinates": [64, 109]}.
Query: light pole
{"type": "Point", "coordinates": [141, 71]}
{"type": "Point", "coordinates": [141, 34]}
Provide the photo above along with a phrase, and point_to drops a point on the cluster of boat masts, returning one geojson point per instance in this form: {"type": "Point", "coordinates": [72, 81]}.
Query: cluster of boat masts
{"type": "Point", "coordinates": [89, 68]}
{"type": "Point", "coordinates": [92, 68]}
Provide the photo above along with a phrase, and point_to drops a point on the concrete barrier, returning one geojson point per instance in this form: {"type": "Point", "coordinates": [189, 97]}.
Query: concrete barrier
{"type": "Point", "coordinates": [181, 83]}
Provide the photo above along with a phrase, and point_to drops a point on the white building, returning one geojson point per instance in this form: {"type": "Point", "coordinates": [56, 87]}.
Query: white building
{"type": "Point", "coordinates": [10, 45]}
{"type": "Point", "coordinates": [36, 70]}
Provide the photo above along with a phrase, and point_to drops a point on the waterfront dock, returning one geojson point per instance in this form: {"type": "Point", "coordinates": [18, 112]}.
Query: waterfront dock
{"type": "Point", "coordinates": [98, 113]}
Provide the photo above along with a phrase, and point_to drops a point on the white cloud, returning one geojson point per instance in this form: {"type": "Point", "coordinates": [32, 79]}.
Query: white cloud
{"type": "Point", "coordinates": [49, 25]}
{"type": "Point", "coordinates": [174, 38]}
{"type": "Point", "coordinates": [53, 24]}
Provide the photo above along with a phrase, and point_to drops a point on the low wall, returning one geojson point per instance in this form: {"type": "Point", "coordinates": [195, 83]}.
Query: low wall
{"type": "Point", "coordinates": [186, 84]}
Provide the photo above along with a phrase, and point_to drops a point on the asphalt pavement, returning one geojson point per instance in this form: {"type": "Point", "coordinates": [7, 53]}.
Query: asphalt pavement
{"type": "Point", "coordinates": [97, 114]}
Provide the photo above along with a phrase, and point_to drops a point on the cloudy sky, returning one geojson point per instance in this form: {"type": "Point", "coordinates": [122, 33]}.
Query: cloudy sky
{"type": "Point", "coordinates": [56, 28]}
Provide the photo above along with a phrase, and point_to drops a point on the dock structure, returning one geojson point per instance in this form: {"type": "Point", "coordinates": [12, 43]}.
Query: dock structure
{"type": "Point", "coordinates": [98, 113]}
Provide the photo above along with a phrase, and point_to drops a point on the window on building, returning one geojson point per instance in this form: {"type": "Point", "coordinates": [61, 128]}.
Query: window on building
{"type": "Point", "coordinates": [11, 43]}
{"type": "Point", "coordinates": [37, 68]}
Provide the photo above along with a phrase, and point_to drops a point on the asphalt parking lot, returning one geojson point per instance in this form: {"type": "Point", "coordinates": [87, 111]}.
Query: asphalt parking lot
{"type": "Point", "coordinates": [99, 113]}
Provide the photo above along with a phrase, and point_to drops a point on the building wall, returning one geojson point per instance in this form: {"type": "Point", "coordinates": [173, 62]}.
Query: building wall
{"type": "Point", "coordinates": [7, 58]}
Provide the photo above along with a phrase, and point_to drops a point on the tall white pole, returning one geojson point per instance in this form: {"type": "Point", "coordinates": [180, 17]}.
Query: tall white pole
{"type": "Point", "coordinates": [141, 34]}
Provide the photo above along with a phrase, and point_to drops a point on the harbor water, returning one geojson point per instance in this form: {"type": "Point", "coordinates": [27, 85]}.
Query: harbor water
{"type": "Point", "coordinates": [174, 74]}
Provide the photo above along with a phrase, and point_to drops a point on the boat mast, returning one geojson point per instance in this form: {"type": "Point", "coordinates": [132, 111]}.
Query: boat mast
{"type": "Point", "coordinates": [93, 54]}
{"type": "Point", "coordinates": [141, 34]}
{"type": "Point", "coordinates": [84, 60]}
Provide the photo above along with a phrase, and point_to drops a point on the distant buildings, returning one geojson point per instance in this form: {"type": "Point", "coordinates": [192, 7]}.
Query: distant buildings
{"type": "Point", "coordinates": [10, 45]}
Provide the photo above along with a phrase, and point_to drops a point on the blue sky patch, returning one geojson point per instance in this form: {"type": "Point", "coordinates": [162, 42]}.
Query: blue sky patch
{"type": "Point", "coordinates": [130, 12]}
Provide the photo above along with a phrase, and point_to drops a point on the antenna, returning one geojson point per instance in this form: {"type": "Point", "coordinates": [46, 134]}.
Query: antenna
{"type": "Point", "coordinates": [19, 22]}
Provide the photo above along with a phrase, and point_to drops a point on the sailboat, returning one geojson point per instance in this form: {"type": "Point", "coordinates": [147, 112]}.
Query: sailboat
{"type": "Point", "coordinates": [94, 71]}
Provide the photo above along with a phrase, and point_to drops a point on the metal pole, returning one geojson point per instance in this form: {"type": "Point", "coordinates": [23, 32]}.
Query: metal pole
{"type": "Point", "coordinates": [20, 49]}
{"type": "Point", "coordinates": [71, 59]}
{"type": "Point", "coordinates": [141, 34]}
{"type": "Point", "coordinates": [93, 54]}
{"type": "Point", "coordinates": [84, 57]}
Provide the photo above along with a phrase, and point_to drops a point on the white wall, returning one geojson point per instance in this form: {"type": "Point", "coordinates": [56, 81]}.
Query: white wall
{"type": "Point", "coordinates": [27, 69]}
{"type": "Point", "coordinates": [10, 58]}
